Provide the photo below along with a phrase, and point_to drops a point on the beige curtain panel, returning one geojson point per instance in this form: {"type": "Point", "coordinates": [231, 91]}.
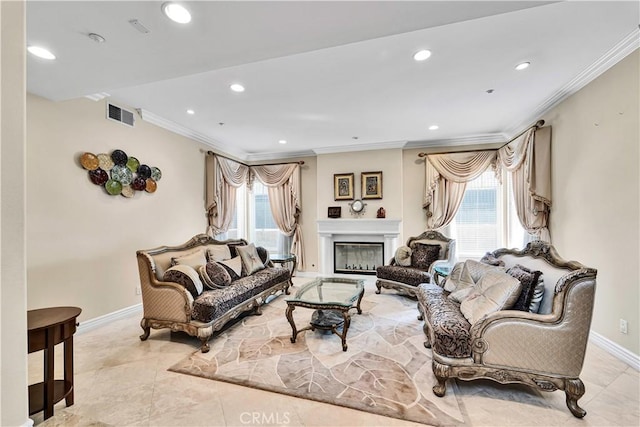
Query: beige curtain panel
{"type": "Point", "coordinates": [223, 177]}
{"type": "Point", "coordinates": [283, 184]}
{"type": "Point", "coordinates": [446, 176]}
{"type": "Point", "coordinates": [528, 160]}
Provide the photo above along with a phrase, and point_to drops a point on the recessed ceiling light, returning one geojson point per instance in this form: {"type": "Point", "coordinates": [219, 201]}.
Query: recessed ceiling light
{"type": "Point", "coordinates": [421, 55]}
{"type": "Point", "coordinates": [41, 52]}
{"type": "Point", "coordinates": [354, 137]}
{"type": "Point", "coordinates": [237, 87]}
{"type": "Point", "coordinates": [522, 66]}
{"type": "Point", "coordinates": [190, 111]}
{"type": "Point", "coordinates": [176, 13]}
{"type": "Point", "coordinates": [434, 127]}
{"type": "Point", "coordinates": [282, 141]}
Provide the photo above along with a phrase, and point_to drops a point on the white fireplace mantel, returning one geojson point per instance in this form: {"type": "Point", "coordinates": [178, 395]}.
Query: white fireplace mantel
{"type": "Point", "coordinates": [356, 230]}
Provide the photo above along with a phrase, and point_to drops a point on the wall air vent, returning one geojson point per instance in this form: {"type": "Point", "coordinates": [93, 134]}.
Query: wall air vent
{"type": "Point", "coordinates": [120, 114]}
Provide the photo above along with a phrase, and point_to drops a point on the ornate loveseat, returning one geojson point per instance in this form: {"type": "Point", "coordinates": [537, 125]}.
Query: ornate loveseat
{"type": "Point", "coordinates": [170, 301]}
{"type": "Point", "coordinates": [543, 349]}
{"type": "Point", "coordinates": [409, 267]}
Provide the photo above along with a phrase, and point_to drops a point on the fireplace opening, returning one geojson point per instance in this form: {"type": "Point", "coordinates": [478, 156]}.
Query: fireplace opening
{"type": "Point", "coordinates": [357, 257]}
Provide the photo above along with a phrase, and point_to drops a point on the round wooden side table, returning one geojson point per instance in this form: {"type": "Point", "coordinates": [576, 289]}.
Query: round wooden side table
{"type": "Point", "coordinates": [47, 327]}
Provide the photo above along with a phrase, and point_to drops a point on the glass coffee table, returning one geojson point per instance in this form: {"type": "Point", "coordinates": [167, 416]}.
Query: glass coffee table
{"type": "Point", "coordinates": [331, 298]}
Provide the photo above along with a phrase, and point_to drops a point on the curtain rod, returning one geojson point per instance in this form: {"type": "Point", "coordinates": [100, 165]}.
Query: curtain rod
{"type": "Point", "coordinates": [538, 125]}
{"type": "Point", "coordinates": [300, 162]}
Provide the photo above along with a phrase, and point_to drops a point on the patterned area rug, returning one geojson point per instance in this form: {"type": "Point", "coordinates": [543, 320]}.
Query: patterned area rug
{"type": "Point", "coordinates": [386, 369]}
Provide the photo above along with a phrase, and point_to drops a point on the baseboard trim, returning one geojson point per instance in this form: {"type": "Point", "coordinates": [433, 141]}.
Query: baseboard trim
{"type": "Point", "coordinates": [96, 322]}
{"type": "Point", "coordinates": [616, 350]}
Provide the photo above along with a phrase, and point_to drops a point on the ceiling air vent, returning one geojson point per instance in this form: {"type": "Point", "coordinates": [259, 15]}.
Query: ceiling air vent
{"type": "Point", "coordinates": [119, 114]}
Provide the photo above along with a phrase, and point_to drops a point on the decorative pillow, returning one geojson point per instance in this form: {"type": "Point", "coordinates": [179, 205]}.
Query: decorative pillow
{"type": "Point", "coordinates": [233, 267]}
{"type": "Point", "coordinates": [495, 291]}
{"type": "Point", "coordinates": [214, 275]}
{"type": "Point", "coordinates": [488, 258]}
{"type": "Point", "coordinates": [403, 256]}
{"type": "Point", "coordinates": [461, 294]}
{"type": "Point", "coordinates": [538, 294]}
{"type": "Point", "coordinates": [422, 256]}
{"type": "Point", "coordinates": [233, 246]}
{"type": "Point", "coordinates": [185, 276]}
{"type": "Point", "coordinates": [194, 259]}
{"type": "Point", "coordinates": [250, 259]}
{"type": "Point", "coordinates": [528, 279]}
{"type": "Point", "coordinates": [218, 253]}
{"type": "Point", "coordinates": [263, 254]}
{"type": "Point", "coordinates": [459, 278]}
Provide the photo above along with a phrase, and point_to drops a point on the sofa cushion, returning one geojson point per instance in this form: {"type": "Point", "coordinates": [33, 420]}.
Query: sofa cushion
{"type": "Point", "coordinates": [403, 256]}
{"type": "Point", "coordinates": [233, 267]}
{"type": "Point", "coordinates": [263, 254]}
{"type": "Point", "coordinates": [193, 259]}
{"type": "Point", "coordinates": [407, 275]}
{"type": "Point", "coordinates": [495, 291]}
{"type": "Point", "coordinates": [218, 253]}
{"type": "Point", "coordinates": [214, 275]}
{"type": "Point", "coordinates": [538, 294]}
{"type": "Point", "coordinates": [466, 274]}
{"type": "Point", "coordinates": [251, 261]}
{"type": "Point", "coordinates": [450, 329]}
{"type": "Point", "coordinates": [490, 259]}
{"type": "Point", "coordinates": [422, 256]}
{"type": "Point", "coordinates": [213, 304]}
{"type": "Point", "coordinates": [528, 279]}
{"type": "Point", "coordinates": [185, 276]}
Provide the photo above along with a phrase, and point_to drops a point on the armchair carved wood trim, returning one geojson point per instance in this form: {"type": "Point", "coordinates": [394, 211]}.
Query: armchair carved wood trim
{"type": "Point", "coordinates": [406, 279]}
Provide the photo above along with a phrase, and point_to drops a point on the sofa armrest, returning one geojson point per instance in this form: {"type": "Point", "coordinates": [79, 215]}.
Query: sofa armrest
{"type": "Point", "coordinates": [162, 300]}
{"type": "Point", "coordinates": [528, 341]}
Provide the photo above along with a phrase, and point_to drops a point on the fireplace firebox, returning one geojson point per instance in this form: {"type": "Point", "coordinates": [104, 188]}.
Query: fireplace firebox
{"type": "Point", "coordinates": [357, 257]}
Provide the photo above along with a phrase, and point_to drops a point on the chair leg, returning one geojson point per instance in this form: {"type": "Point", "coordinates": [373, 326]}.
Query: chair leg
{"type": "Point", "coordinates": [146, 328]}
{"type": "Point", "coordinates": [379, 286]}
{"type": "Point", "coordinates": [574, 390]}
{"type": "Point", "coordinates": [204, 344]}
{"type": "Point", "coordinates": [442, 374]}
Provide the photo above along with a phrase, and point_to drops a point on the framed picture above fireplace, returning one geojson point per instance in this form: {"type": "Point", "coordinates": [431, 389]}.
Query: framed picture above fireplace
{"type": "Point", "coordinates": [343, 186]}
{"type": "Point", "coordinates": [371, 185]}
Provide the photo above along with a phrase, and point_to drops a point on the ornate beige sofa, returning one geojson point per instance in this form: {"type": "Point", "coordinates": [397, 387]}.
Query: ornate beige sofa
{"type": "Point", "coordinates": [544, 350]}
{"type": "Point", "coordinates": [167, 304]}
{"type": "Point", "coordinates": [406, 278]}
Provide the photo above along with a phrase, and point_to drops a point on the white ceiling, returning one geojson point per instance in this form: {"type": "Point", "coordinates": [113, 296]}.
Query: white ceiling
{"type": "Point", "coordinates": [318, 74]}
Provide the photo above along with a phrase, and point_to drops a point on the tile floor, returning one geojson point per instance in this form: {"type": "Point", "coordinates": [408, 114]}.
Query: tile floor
{"type": "Point", "coordinates": [122, 381]}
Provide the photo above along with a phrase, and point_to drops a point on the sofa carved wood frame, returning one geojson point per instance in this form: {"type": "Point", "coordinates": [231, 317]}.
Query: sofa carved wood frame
{"type": "Point", "coordinates": [168, 305]}
{"type": "Point", "coordinates": [410, 290]}
{"type": "Point", "coordinates": [555, 343]}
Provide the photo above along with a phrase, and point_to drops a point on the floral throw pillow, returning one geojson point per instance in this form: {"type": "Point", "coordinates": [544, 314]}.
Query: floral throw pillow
{"type": "Point", "coordinates": [214, 275]}
{"type": "Point", "coordinates": [185, 276]}
{"type": "Point", "coordinates": [422, 255]}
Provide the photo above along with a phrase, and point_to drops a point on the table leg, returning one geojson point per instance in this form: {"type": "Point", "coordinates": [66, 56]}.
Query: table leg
{"type": "Point", "coordinates": [359, 301]}
{"type": "Point", "coordinates": [68, 368]}
{"type": "Point", "coordinates": [289, 314]}
{"type": "Point", "coordinates": [49, 381]}
{"type": "Point", "coordinates": [345, 328]}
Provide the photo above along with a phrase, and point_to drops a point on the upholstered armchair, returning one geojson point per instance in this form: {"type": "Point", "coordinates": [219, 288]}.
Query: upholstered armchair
{"type": "Point", "coordinates": [414, 263]}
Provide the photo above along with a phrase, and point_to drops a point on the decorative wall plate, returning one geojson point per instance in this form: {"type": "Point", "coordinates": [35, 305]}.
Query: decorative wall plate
{"type": "Point", "coordinates": [122, 174]}
{"type": "Point", "coordinates": [119, 157]}
{"type": "Point", "coordinates": [98, 176]}
{"type": "Point", "coordinates": [144, 171]}
{"type": "Point", "coordinates": [156, 174]}
{"type": "Point", "coordinates": [105, 161]}
{"type": "Point", "coordinates": [151, 186]}
{"type": "Point", "coordinates": [127, 191]}
{"type": "Point", "coordinates": [113, 187]}
{"type": "Point", "coordinates": [133, 164]}
{"type": "Point", "coordinates": [89, 161]}
{"type": "Point", "coordinates": [139, 184]}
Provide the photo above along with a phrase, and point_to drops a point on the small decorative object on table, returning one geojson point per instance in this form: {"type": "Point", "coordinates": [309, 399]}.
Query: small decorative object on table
{"type": "Point", "coordinates": [334, 212]}
{"type": "Point", "coordinates": [381, 213]}
{"type": "Point", "coordinates": [357, 207]}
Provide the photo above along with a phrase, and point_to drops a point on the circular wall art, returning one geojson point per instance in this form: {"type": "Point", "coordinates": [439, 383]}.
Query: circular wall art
{"type": "Point", "coordinates": [120, 174]}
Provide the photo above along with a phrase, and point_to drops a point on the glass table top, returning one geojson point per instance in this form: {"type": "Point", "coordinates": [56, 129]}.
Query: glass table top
{"type": "Point", "coordinates": [327, 290]}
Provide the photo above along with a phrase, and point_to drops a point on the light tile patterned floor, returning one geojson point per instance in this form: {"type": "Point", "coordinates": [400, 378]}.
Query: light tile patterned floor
{"type": "Point", "coordinates": [121, 381]}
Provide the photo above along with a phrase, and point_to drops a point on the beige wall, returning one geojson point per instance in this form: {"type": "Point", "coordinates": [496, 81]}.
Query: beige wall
{"type": "Point", "coordinates": [13, 317]}
{"type": "Point", "coordinates": [595, 215]}
{"type": "Point", "coordinates": [81, 242]}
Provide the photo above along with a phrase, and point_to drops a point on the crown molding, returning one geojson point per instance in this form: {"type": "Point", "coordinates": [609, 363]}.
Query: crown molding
{"type": "Point", "coordinates": [622, 49]}
{"type": "Point", "coordinates": [261, 157]}
{"type": "Point", "coordinates": [159, 121]}
{"type": "Point", "coordinates": [487, 138]}
{"type": "Point", "coordinates": [360, 147]}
